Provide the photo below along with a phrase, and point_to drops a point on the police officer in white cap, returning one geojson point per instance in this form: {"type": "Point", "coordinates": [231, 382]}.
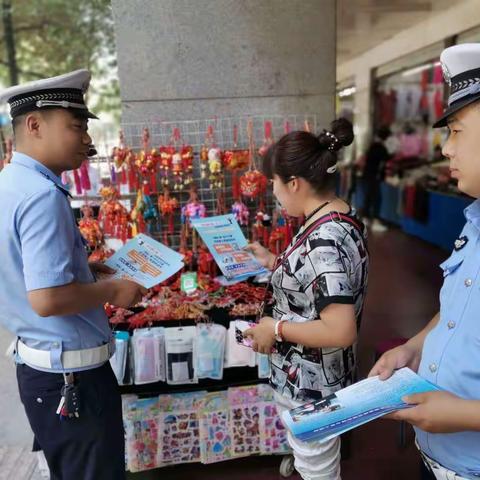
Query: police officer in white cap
{"type": "Point", "coordinates": [50, 299]}
{"type": "Point", "coordinates": [447, 351]}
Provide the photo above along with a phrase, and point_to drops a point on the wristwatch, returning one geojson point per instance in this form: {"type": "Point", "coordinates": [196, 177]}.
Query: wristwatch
{"type": "Point", "coordinates": [278, 330]}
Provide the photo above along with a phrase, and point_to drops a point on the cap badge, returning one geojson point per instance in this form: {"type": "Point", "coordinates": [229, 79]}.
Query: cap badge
{"type": "Point", "coordinates": [446, 75]}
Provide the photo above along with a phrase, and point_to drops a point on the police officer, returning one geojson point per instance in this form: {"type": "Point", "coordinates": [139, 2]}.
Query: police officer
{"type": "Point", "coordinates": [447, 351]}
{"type": "Point", "coordinates": [49, 297]}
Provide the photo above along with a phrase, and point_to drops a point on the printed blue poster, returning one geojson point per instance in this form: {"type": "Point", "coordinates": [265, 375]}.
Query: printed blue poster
{"type": "Point", "coordinates": [145, 261]}
{"type": "Point", "coordinates": [225, 240]}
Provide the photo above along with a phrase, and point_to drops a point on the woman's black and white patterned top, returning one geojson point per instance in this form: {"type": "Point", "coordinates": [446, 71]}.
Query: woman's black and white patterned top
{"type": "Point", "coordinates": [331, 266]}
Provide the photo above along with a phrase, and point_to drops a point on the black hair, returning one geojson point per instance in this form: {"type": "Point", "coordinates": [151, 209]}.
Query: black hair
{"type": "Point", "coordinates": [303, 154]}
{"type": "Point", "coordinates": [17, 122]}
{"type": "Point", "coordinates": [384, 132]}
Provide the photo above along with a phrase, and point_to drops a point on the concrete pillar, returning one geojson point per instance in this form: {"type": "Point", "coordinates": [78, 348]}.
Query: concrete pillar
{"type": "Point", "coordinates": [363, 111]}
{"type": "Point", "coordinates": [195, 59]}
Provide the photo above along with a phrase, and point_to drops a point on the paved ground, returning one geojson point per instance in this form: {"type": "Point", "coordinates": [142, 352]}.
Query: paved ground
{"type": "Point", "coordinates": [16, 460]}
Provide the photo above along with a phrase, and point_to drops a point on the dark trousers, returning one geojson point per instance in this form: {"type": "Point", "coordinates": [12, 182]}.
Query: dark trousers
{"type": "Point", "coordinates": [90, 447]}
{"type": "Point", "coordinates": [371, 206]}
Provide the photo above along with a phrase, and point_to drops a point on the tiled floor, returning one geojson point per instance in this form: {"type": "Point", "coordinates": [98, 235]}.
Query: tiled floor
{"type": "Point", "coordinates": [18, 463]}
{"type": "Point", "coordinates": [403, 296]}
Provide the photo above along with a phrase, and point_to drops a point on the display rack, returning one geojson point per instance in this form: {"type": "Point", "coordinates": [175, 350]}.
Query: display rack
{"type": "Point", "coordinates": [227, 133]}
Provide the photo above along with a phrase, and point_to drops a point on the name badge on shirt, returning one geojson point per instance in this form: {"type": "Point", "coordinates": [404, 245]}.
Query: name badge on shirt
{"type": "Point", "coordinates": [460, 243]}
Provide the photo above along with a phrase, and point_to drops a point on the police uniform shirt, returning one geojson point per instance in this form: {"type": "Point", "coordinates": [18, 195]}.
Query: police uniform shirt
{"type": "Point", "coordinates": [451, 352]}
{"type": "Point", "coordinates": [41, 247]}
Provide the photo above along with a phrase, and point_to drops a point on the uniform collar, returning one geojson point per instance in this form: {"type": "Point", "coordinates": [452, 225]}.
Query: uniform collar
{"type": "Point", "coordinates": [472, 213]}
{"type": "Point", "coordinates": [28, 162]}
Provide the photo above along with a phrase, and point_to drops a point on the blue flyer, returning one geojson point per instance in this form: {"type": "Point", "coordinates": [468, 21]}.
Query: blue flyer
{"type": "Point", "coordinates": [225, 240]}
{"type": "Point", "coordinates": [145, 261]}
{"type": "Point", "coordinates": [354, 405]}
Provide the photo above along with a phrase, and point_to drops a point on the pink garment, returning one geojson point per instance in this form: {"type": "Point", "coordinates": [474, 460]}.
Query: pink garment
{"type": "Point", "coordinates": [410, 145]}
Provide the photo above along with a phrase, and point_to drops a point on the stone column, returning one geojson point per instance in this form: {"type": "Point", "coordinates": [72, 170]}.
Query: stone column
{"type": "Point", "coordinates": [196, 59]}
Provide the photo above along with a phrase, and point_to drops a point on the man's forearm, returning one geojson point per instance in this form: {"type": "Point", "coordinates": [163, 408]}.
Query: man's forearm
{"type": "Point", "coordinates": [71, 299]}
{"type": "Point", "coordinates": [470, 413]}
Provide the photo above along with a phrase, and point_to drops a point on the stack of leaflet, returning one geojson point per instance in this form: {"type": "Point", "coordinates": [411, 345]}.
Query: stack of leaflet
{"type": "Point", "coordinates": [354, 405]}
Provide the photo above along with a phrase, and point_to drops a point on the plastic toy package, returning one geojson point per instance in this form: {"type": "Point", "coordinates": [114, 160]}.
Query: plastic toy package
{"type": "Point", "coordinates": [179, 355]}
{"type": "Point", "coordinates": [209, 350]}
{"type": "Point", "coordinates": [149, 355]}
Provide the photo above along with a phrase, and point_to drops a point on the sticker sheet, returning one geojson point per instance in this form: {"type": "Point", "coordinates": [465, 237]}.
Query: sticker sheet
{"type": "Point", "coordinates": [141, 421]}
{"type": "Point", "coordinates": [215, 439]}
{"type": "Point", "coordinates": [273, 433]}
{"type": "Point", "coordinates": [180, 431]}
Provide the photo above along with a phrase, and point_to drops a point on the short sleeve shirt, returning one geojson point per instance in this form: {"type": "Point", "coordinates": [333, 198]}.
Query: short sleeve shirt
{"type": "Point", "coordinates": [451, 350]}
{"type": "Point", "coordinates": [41, 247]}
{"type": "Point", "coordinates": [330, 266]}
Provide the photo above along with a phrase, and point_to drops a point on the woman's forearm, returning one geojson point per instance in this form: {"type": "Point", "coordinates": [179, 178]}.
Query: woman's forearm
{"type": "Point", "coordinates": [335, 328]}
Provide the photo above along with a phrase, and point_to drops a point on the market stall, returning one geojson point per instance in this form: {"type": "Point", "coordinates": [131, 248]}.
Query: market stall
{"type": "Point", "coordinates": [191, 392]}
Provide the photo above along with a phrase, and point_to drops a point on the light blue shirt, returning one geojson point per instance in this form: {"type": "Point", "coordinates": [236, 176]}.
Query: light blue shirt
{"type": "Point", "coordinates": [41, 247]}
{"type": "Point", "coordinates": [451, 352]}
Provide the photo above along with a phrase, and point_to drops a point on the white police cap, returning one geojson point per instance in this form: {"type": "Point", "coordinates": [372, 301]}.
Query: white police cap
{"type": "Point", "coordinates": [461, 70]}
{"type": "Point", "coordinates": [63, 91]}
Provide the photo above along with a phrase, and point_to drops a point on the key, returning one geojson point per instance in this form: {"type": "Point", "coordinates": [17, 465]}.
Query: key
{"type": "Point", "coordinates": [60, 405]}
{"type": "Point", "coordinates": [69, 403]}
{"type": "Point", "coordinates": [72, 403]}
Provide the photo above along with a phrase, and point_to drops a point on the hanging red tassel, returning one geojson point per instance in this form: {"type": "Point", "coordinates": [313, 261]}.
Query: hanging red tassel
{"type": "Point", "coordinates": [78, 183]}
{"type": "Point", "coordinates": [153, 182]}
{"type": "Point", "coordinates": [146, 188]}
{"type": "Point", "coordinates": [124, 234]}
{"type": "Point", "coordinates": [132, 179]}
{"type": "Point", "coordinates": [85, 177]}
{"type": "Point", "coordinates": [265, 236]}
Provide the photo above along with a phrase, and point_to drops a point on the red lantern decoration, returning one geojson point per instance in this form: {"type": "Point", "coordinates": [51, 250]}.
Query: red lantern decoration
{"type": "Point", "coordinates": [186, 153]}
{"type": "Point", "coordinates": [113, 216]}
{"type": "Point", "coordinates": [253, 184]}
{"type": "Point", "coordinates": [234, 161]}
{"type": "Point", "coordinates": [167, 206]}
{"type": "Point", "coordinates": [268, 140]}
{"type": "Point", "coordinates": [147, 161]}
{"type": "Point", "coordinates": [90, 228]}
{"type": "Point", "coordinates": [166, 155]}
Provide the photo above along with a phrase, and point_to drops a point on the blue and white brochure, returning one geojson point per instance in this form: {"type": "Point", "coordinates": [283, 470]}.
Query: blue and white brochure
{"type": "Point", "coordinates": [145, 261]}
{"type": "Point", "coordinates": [226, 242]}
{"type": "Point", "coordinates": [354, 405]}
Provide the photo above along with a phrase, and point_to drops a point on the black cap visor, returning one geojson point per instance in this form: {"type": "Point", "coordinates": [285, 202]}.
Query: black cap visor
{"type": "Point", "coordinates": [455, 107]}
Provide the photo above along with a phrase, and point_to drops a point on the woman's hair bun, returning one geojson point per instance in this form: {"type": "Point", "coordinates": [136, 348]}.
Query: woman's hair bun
{"type": "Point", "coordinates": [340, 135]}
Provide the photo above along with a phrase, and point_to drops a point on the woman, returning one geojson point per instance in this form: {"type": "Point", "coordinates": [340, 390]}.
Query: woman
{"type": "Point", "coordinates": [319, 285]}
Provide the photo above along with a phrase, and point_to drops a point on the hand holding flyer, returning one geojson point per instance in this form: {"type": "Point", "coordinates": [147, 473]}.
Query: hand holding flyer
{"type": "Point", "coordinates": [226, 242]}
{"type": "Point", "coordinates": [354, 405]}
{"type": "Point", "coordinates": [145, 261]}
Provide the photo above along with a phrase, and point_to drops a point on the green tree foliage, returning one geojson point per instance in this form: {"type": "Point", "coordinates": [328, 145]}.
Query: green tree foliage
{"type": "Point", "coordinates": [52, 37]}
